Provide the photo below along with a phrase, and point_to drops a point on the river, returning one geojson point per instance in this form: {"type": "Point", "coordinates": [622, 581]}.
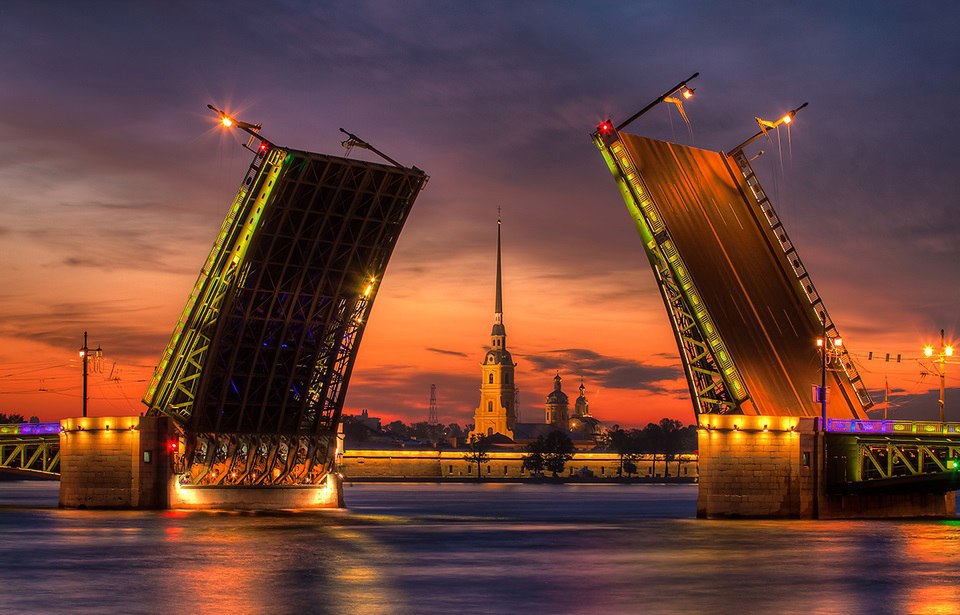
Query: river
{"type": "Point", "coordinates": [455, 548]}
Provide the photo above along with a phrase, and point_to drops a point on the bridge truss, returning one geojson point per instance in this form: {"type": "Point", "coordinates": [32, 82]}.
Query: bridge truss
{"type": "Point", "coordinates": [256, 370]}
{"type": "Point", "coordinates": [30, 449]}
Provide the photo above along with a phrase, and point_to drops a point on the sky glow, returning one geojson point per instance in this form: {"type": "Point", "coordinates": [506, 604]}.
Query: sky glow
{"type": "Point", "coordinates": [115, 178]}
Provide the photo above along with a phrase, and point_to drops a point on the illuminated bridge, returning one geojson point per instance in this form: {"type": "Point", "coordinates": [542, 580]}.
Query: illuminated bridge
{"type": "Point", "coordinates": [248, 393]}
{"type": "Point", "coordinates": [30, 450]}
{"type": "Point", "coordinates": [757, 346]}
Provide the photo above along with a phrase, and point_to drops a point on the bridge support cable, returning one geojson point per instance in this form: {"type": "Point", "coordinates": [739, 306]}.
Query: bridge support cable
{"type": "Point", "coordinates": [716, 386]}
{"type": "Point", "coordinates": [765, 211]}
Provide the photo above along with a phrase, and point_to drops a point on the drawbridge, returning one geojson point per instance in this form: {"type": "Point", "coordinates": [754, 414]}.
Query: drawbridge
{"type": "Point", "coordinates": [744, 309]}
{"type": "Point", "coordinates": [256, 371]}
{"type": "Point", "coordinates": [753, 332]}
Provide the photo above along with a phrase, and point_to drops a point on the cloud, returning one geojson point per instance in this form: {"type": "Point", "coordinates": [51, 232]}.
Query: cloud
{"type": "Point", "coordinates": [448, 352]}
{"type": "Point", "coordinates": [612, 372]}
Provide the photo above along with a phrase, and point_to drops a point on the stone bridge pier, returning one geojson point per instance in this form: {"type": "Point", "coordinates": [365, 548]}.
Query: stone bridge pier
{"type": "Point", "coordinates": [776, 467]}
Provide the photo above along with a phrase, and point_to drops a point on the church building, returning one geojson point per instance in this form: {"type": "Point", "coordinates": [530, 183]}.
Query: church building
{"type": "Point", "coordinates": [496, 414]}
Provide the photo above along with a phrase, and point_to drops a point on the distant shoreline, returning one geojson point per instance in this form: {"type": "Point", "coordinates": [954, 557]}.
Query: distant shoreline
{"type": "Point", "coordinates": [563, 480]}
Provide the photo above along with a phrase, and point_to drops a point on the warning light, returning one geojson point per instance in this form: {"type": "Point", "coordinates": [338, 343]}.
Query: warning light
{"type": "Point", "coordinates": [953, 464]}
{"type": "Point", "coordinates": [605, 127]}
{"type": "Point", "coordinates": [173, 446]}
{"type": "Point", "coordinates": [263, 147]}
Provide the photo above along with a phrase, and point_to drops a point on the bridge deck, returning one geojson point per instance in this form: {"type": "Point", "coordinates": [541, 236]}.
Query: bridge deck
{"type": "Point", "coordinates": [754, 298]}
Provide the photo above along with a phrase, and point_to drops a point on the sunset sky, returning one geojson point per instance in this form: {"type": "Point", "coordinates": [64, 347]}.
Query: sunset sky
{"type": "Point", "coordinates": [114, 179]}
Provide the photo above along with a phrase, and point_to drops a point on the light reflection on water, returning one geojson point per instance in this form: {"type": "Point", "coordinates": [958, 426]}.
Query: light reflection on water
{"type": "Point", "coordinates": [428, 548]}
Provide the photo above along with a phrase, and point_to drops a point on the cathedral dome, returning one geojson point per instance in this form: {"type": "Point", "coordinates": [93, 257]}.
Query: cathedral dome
{"type": "Point", "coordinates": [557, 397]}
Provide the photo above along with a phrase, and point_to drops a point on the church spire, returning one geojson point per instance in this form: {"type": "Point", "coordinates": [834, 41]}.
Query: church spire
{"type": "Point", "coordinates": [499, 333]}
{"type": "Point", "coordinates": [499, 307]}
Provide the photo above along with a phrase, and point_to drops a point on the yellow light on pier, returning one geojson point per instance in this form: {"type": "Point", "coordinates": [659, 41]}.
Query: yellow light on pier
{"type": "Point", "coordinates": [928, 351]}
{"type": "Point", "coordinates": [948, 351]}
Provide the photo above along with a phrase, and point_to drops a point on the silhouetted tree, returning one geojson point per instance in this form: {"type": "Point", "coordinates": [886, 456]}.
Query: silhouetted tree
{"type": "Point", "coordinates": [477, 449]}
{"type": "Point", "coordinates": [398, 429]}
{"type": "Point", "coordinates": [535, 461]}
{"type": "Point", "coordinates": [627, 445]}
{"type": "Point", "coordinates": [670, 442]}
{"type": "Point", "coordinates": [12, 418]}
{"type": "Point", "coordinates": [557, 451]}
{"type": "Point", "coordinates": [652, 438]}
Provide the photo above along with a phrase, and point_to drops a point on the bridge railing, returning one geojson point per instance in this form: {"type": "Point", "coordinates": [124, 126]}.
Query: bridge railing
{"type": "Point", "coordinates": [892, 427]}
{"type": "Point", "coordinates": [30, 429]}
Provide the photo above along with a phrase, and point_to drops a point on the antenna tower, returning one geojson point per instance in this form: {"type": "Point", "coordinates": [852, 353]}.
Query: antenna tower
{"type": "Point", "coordinates": [433, 405]}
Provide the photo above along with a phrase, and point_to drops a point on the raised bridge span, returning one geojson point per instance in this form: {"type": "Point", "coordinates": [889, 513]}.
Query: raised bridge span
{"type": "Point", "coordinates": [747, 318]}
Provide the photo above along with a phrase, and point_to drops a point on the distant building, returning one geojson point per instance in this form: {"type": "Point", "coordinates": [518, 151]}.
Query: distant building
{"type": "Point", "coordinates": [371, 422]}
{"type": "Point", "coordinates": [496, 415]}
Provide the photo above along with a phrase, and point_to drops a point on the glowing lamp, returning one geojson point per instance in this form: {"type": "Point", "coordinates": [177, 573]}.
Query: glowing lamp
{"type": "Point", "coordinates": [688, 93]}
{"type": "Point", "coordinates": [263, 147]}
{"type": "Point", "coordinates": [820, 343]}
{"type": "Point", "coordinates": [786, 119]}
{"type": "Point", "coordinates": [838, 342]}
{"type": "Point", "coordinates": [953, 464]}
{"type": "Point", "coordinates": [81, 354]}
{"type": "Point", "coordinates": [605, 127]}
{"type": "Point", "coordinates": [928, 351]}
{"type": "Point", "coordinates": [948, 351]}
{"type": "Point", "coordinates": [226, 122]}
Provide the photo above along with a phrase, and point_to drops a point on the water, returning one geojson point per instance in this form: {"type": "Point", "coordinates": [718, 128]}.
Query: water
{"type": "Point", "coordinates": [426, 548]}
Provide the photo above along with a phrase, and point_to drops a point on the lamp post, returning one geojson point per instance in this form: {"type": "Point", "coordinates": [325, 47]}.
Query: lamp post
{"type": "Point", "coordinates": [945, 351]}
{"type": "Point", "coordinates": [828, 349]}
{"type": "Point", "coordinates": [85, 357]}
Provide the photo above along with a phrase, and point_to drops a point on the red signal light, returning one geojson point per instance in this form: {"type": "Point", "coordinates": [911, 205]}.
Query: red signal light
{"type": "Point", "coordinates": [173, 445]}
{"type": "Point", "coordinates": [263, 147]}
{"type": "Point", "coordinates": [605, 127]}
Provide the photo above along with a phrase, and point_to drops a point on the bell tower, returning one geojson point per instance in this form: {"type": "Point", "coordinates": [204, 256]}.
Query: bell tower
{"type": "Point", "coordinates": [496, 412]}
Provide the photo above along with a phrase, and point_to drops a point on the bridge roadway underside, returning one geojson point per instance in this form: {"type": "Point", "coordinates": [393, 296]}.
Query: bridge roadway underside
{"type": "Point", "coordinates": [743, 276]}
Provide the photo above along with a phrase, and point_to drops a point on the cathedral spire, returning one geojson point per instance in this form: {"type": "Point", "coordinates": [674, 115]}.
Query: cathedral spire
{"type": "Point", "coordinates": [499, 307]}
{"type": "Point", "coordinates": [499, 333]}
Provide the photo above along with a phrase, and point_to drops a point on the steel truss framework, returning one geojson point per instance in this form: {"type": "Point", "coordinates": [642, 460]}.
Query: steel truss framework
{"type": "Point", "coordinates": [892, 459]}
{"type": "Point", "coordinates": [31, 452]}
{"type": "Point", "coordinates": [256, 370]}
{"type": "Point", "coordinates": [715, 384]}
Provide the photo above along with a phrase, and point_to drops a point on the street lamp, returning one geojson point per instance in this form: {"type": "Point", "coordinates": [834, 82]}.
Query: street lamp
{"type": "Point", "coordinates": [829, 348]}
{"type": "Point", "coordinates": [941, 359]}
{"type": "Point", "coordinates": [766, 125]}
{"type": "Point", "coordinates": [86, 354]}
{"type": "Point", "coordinates": [686, 92]}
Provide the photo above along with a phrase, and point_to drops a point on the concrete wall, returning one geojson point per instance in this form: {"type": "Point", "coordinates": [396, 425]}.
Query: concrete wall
{"type": "Point", "coordinates": [756, 466]}
{"type": "Point", "coordinates": [441, 465]}
{"type": "Point", "coordinates": [749, 466]}
{"type": "Point", "coordinates": [113, 462]}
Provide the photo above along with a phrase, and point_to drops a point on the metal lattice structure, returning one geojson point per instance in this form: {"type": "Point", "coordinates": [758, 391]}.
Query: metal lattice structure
{"type": "Point", "coordinates": [30, 449]}
{"type": "Point", "coordinates": [256, 371]}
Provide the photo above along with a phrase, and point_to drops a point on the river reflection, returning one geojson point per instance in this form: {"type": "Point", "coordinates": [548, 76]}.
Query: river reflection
{"type": "Point", "coordinates": [469, 549]}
